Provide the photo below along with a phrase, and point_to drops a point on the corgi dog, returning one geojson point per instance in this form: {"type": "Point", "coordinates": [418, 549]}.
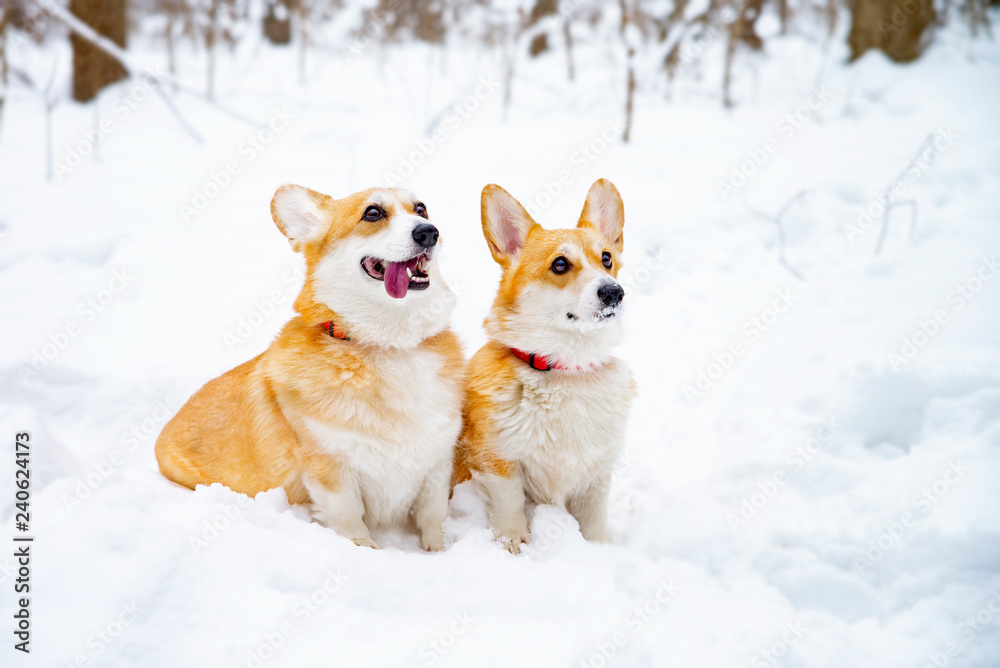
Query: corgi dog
{"type": "Point", "coordinates": [357, 404]}
{"type": "Point", "coordinates": [546, 402]}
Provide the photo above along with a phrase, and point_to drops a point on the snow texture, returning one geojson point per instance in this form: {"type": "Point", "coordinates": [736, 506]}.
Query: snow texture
{"type": "Point", "coordinates": [811, 470]}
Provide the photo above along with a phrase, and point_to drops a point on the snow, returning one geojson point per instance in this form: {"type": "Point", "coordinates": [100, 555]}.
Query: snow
{"type": "Point", "coordinates": [790, 494]}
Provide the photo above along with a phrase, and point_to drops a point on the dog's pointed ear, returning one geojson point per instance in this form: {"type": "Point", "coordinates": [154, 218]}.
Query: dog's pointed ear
{"type": "Point", "coordinates": [505, 223]}
{"type": "Point", "coordinates": [298, 213]}
{"type": "Point", "coordinates": [605, 210]}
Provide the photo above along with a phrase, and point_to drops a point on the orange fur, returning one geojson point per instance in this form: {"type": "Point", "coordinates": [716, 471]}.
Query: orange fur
{"type": "Point", "coordinates": [248, 429]}
{"type": "Point", "coordinates": [548, 434]}
{"type": "Point", "coordinates": [492, 370]}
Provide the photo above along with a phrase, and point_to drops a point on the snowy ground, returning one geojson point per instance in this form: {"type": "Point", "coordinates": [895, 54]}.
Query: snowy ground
{"type": "Point", "coordinates": [812, 464]}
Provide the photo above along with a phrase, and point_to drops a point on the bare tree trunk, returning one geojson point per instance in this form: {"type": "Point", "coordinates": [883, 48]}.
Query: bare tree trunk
{"type": "Point", "coordinates": [750, 11]}
{"type": "Point", "coordinates": [510, 42]}
{"type": "Point", "coordinates": [630, 69]}
{"type": "Point", "coordinates": [303, 12]}
{"type": "Point", "coordinates": [735, 30]}
{"type": "Point", "coordinates": [49, 145]}
{"type": "Point", "coordinates": [4, 22]}
{"type": "Point", "coordinates": [210, 37]}
{"type": "Point", "coordinates": [887, 26]}
{"type": "Point", "coordinates": [629, 96]}
{"type": "Point", "coordinates": [48, 141]}
{"type": "Point", "coordinates": [540, 11]}
{"type": "Point", "coordinates": [170, 8]}
{"type": "Point", "coordinates": [568, 34]}
{"type": "Point", "coordinates": [277, 24]}
{"type": "Point", "coordinates": [831, 17]}
{"type": "Point", "coordinates": [93, 69]}
{"type": "Point", "coordinates": [978, 17]}
{"type": "Point", "coordinates": [105, 45]}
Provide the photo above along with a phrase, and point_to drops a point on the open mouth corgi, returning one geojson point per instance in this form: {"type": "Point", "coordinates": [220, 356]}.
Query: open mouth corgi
{"type": "Point", "coordinates": [546, 402]}
{"type": "Point", "coordinates": [356, 405]}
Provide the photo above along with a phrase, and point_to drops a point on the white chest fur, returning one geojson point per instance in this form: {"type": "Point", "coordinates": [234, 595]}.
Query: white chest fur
{"type": "Point", "coordinates": [389, 446]}
{"type": "Point", "coordinates": [565, 428]}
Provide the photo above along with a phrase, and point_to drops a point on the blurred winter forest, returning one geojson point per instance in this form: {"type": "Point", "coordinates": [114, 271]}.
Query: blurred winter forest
{"type": "Point", "coordinates": [812, 191]}
{"type": "Point", "coordinates": [652, 42]}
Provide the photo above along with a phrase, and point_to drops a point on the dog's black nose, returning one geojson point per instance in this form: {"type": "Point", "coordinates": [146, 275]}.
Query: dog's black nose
{"type": "Point", "coordinates": [611, 294]}
{"type": "Point", "coordinates": [425, 234]}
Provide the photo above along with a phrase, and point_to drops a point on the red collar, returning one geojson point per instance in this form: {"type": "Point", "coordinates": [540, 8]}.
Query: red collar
{"type": "Point", "coordinates": [334, 330]}
{"type": "Point", "coordinates": [541, 362]}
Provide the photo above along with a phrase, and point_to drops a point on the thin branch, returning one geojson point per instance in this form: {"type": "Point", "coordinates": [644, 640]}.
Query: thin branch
{"type": "Point", "coordinates": [439, 117]}
{"type": "Point", "coordinates": [104, 44]}
{"type": "Point", "coordinates": [885, 221]}
{"type": "Point", "coordinates": [169, 101]}
{"type": "Point", "coordinates": [49, 99]}
{"type": "Point", "coordinates": [777, 219]}
{"type": "Point", "coordinates": [675, 37]}
{"type": "Point", "coordinates": [891, 203]}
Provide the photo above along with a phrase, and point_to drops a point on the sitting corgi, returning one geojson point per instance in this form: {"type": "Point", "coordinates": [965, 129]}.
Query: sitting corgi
{"type": "Point", "coordinates": [546, 403]}
{"type": "Point", "coordinates": [356, 406]}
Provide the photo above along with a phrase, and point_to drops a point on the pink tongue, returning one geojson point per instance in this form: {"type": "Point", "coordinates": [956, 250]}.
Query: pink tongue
{"type": "Point", "coordinates": [396, 278]}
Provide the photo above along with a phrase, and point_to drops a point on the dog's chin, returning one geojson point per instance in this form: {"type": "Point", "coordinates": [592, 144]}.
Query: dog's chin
{"type": "Point", "coordinates": [377, 318]}
{"type": "Point", "coordinates": [368, 311]}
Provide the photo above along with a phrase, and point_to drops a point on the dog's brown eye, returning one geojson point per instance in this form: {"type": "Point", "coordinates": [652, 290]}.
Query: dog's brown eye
{"type": "Point", "coordinates": [560, 265]}
{"type": "Point", "coordinates": [606, 259]}
{"type": "Point", "coordinates": [420, 209]}
{"type": "Point", "coordinates": [374, 213]}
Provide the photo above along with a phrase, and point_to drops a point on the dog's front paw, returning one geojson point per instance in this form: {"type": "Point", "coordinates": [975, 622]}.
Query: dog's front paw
{"type": "Point", "coordinates": [512, 539]}
{"type": "Point", "coordinates": [366, 542]}
{"type": "Point", "coordinates": [432, 540]}
{"type": "Point", "coordinates": [595, 534]}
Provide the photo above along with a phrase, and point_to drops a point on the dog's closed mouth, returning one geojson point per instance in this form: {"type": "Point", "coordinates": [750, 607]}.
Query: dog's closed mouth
{"type": "Point", "coordinates": [399, 276]}
{"type": "Point", "coordinates": [605, 313]}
